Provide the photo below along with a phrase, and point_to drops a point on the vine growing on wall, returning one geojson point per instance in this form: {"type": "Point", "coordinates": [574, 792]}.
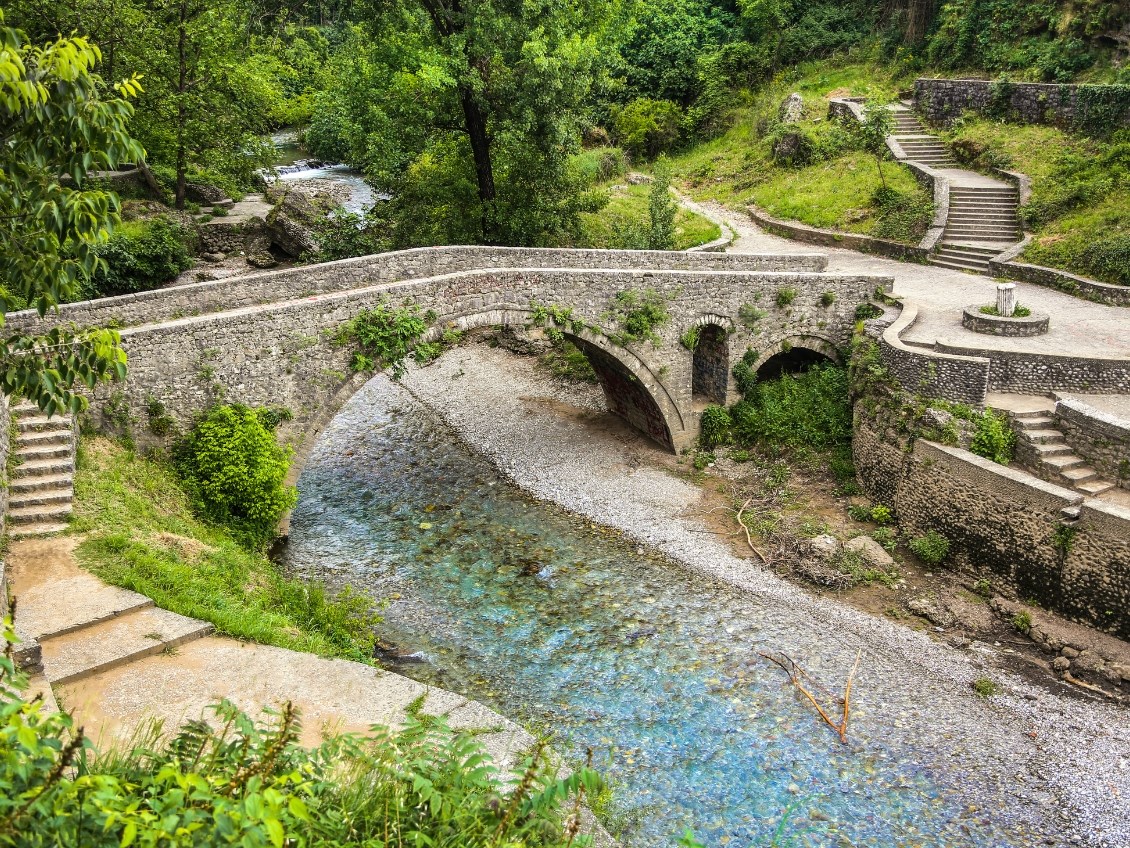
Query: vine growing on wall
{"type": "Point", "coordinates": [639, 315]}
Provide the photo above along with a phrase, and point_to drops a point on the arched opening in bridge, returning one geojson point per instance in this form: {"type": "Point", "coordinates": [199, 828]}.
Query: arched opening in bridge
{"type": "Point", "coordinates": [710, 370]}
{"type": "Point", "coordinates": [625, 395]}
{"type": "Point", "coordinates": [792, 361]}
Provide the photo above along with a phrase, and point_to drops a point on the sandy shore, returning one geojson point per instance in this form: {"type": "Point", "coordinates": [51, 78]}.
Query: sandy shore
{"type": "Point", "coordinates": [556, 442]}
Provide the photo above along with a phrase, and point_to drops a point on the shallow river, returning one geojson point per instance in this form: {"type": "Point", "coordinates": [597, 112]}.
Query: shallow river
{"type": "Point", "coordinates": [573, 632]}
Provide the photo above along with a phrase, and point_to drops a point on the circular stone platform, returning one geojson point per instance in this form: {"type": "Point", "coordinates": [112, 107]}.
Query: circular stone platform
{"type": "Point", "coordinates": [972, 318]}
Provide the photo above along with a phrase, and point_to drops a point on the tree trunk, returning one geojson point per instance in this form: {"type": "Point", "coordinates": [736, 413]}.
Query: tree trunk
{"type": "Point", "coordinates": [182, 87]}
{"type": "Point", "coordinates": [484, 168]}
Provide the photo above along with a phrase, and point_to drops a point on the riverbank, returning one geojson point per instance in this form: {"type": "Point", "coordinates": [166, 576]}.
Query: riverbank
{"type": "Point", "coordinates": [553, 441]}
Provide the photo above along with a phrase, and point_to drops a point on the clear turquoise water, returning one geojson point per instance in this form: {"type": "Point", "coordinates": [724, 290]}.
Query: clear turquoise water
{"type": "Point", "coordinates": [569, 630]}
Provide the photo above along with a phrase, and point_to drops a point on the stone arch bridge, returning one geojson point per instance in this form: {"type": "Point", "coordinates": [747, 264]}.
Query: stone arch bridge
{"type": "Point", "coordinates": [269, 338]}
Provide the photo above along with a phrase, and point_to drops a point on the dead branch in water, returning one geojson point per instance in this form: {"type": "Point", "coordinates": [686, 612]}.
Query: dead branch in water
{"type": "Point", "coordinates": [795, 673]}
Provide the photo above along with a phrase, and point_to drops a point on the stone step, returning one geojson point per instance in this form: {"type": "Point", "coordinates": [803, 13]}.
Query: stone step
{"type": "Point", "coordinates": [44, 482]}
{"type": "Point", "coordinates": [1044, 437]}
{"type": "Point", "coordinates": [959, 264]}
{"type": "Point", "coordinates": [1049, 451]}
{"type": "Point", "coordinates": [1034, 420]}
{"type": "Point", "coordinates": [46, 450]}
{"type": "Point", "coordinates": [46, 437]}
{"type": "Point", "coordinates": [991, 216]}
{"type": "Point", "coordinates": [43, 468]}
{"type": "Point", "coordinates": [972, 259]}
{"type": "Point", "coordinates": [41, 497]}
{"type": "Point", "coordinates": [958, 233]}
{"type": "Point", "coordinates": [24, 531]}
{"type": "Point", "coordinates": [40, 513]}
{"type": "Point", "coordinates": [1079, 474]}
{"type": "Point", "coordinates": [1094, 487]}
{"type": "Point", "coordinates": [985, 191]}
{"type": "Point", "coordinates": [975, 207]}
{"type": "Point", "coordinates": [42, 422]}
{"type": "Point", "coordinates": [1064, 462]}
{"type": "Point", "coordinates": [116, 642]}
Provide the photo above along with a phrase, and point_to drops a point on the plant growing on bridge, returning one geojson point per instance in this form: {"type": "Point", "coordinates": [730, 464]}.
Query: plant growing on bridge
{"type": "Point", "coordinates": [384, 337]}
{"type": "Point", "coordinates": [233, 470]}
{"type": "Point", "coordinates": [639, 315]}
{"type": "Point", "coordinates": [690, 338]}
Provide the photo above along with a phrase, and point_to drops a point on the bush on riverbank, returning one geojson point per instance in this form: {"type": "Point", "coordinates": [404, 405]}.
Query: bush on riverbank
{"type": "Point", "coordinates": [139, 256]}
{"type": "Point", "coordinates": [251, 784]}
{"type": "Point", "coordinates": [141, 534]}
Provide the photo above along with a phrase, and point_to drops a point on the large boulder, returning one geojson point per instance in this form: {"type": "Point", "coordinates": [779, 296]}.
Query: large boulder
{"type": "Point", "coordinates": [291, 225]}
{"type": "Point", "coordinates": [204, 194]}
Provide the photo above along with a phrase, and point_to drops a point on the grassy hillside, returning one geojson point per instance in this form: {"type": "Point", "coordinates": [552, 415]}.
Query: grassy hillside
{"type": "Point", "coordinates": [1079, 212]}
{"type": "Point", "coordinates": [141, 535]}
{"type": "Point", "coordinates": [836, 185]}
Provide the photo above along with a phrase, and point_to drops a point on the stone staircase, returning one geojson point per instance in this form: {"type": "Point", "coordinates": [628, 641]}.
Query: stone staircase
{"type": "Point", "coordinates": [41, 488]}
{"type": "Point", "coordinates": [1050, 457]}
{"type": "Point", "coordinates": [982, 221]}
{"type": "Point", "coordinates": [919, 145]}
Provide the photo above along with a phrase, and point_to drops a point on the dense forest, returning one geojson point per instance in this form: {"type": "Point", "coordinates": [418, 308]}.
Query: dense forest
{"type": "Point", "coordinates": [470, 114]}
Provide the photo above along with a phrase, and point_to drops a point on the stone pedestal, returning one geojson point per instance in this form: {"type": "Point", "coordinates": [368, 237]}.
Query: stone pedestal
{"type": "Point", "coordinates": [1006, 299]}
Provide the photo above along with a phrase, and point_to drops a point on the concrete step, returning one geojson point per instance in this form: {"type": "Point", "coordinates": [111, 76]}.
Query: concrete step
{"type": "Point", "coordinates": [1037, 420]}
{"type": "Point", "coordinates": [1094, 487]}
{"type": "Point", "coordinates": [116, 642]}
{"type": "Point", "coordinates": [984, 216]}
{"type": "Point", "coordinates": [55, 602]}
{"type": "Point", "coordinates": [980, 235]}
{"type": "Point", "coordinates": [23, 531]}
{"type": "Point", "coordinates": [39, 483]}
{"type": "Point", "coordinates": [41, 497]}
{"type": "Point", "coordinates": [38, 423]}
{"type": "Point", "coordinates": [959, 264]}
{"type": "Point", "coordinates": [1079, 474]}
{"type": "Point", "coordinates": [1050, 451]}
{"type": "Point", "coordinates": [43, 468]}
{"type": "Point", "coordinates": [40, 514]}
{"type": "Point", "coordinates": [1064, 462]}
{"type": "Point", "coordinates": [46, 450]}
{"type": "Point", "coordinates": [982, 253]}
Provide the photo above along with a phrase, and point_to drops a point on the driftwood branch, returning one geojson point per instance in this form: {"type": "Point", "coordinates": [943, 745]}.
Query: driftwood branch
{"type": "Point", "coordinates": [795, 673]}
{"type": "Point", "coordinates": [748, 538]}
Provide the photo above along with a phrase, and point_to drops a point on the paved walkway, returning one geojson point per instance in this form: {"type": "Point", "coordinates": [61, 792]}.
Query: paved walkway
{"type": "Point", "coordinates": [1078, 327]}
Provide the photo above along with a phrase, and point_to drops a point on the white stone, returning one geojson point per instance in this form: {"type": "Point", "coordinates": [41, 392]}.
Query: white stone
{"type": "Point", "coordinates": [1006, 299]}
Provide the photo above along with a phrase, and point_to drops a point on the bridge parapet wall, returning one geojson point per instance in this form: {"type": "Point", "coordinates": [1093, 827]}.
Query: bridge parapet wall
{"type": "Point", "coordinates": [284, 354]}
{"type": "Point", "coordinates": [306, 280]}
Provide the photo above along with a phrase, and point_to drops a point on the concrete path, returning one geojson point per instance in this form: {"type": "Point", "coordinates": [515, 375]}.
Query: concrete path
{"type": "Point", "coordinates": [1078, 327]}
{"type": "Point", "coordinates": [115, 660]}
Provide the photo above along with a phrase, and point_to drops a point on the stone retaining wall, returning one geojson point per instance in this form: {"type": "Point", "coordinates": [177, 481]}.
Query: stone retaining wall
{"type": "Point", "coordinates": [284, 354]}
{"type": "Point", "coordinates": [1069, 106]}
{"type": "Point", "coordinates": [1036, 373]}
{"type": "Point", "coordinates": [833, 238]}
{"type": "Point", "coordinates": [1107, 293]}
{"type": "Point", "coordinates": [307, 280]}
{"type": "Point", "coordinates": [961, 378]}
{"type": "Point", "coordinates": [1006, 525]}
{"type": "Point", "coordinates": [972, 318]}
{"type": "Point", "coordinates": [1101, 439]}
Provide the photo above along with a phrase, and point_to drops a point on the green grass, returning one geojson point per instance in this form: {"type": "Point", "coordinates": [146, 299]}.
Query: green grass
{"type": "Point", "coordinates": [1080, 193]}
{"type": "Point", "coordinates": [737, 168]}
{"type": "Point", "coordinates": [141, 535]}
{"type": "Point", "coordinates": [626, 213]}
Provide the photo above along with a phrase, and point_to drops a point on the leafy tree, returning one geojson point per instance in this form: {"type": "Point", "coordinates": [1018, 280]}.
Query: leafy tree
{"type": "Point", "coordinates": [466, 114]}
{"type": "Point", "coordinates": [648, 127]}
{"type": "Point", "coordinates": [872, 132]}
{"type": "Point", "coordinates": [57, 128]}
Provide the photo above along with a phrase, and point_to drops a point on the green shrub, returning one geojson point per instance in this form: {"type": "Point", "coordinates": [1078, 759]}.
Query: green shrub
{"type": "Point", "coordinates": [1022, 621]}
{"type": "Point", "coordinates": [932, 548]}
{"type": "Point", "coordinates": [887, 537]}
{"type": "Point", "coordinates": [983, 587]}
{"type": "Point", "coordinates": [881, 514]}
{"type": "Point", "coordinates": [827, 298]}
{"type": "Point", "coordinates": [384, 337]}
{"type": "Point", "coordinates": [239, 782]}
{"type": "Point", "coordinates": [785, 296]}
{"type": "Point", "coordinates": [1018, 312]}
{"type": "Point", "coordinates": [714, 427]}
{"type": "Point", "coordinates": [648, 127]}
{"type": "Point", "coordinates": [985, 687]}
{"type": "Point", "coordinates": [806, 411]}
{"type": "Point", "coordinates": [599, 165]}
{"type": "Point", "coordinates": [993, 438]}
{"type": "Point", "coordinates": [139, 256]}
{"type": "Point", "coordinates": [233, 470]}
{"type": "Point", "coordinates": [348, 234]}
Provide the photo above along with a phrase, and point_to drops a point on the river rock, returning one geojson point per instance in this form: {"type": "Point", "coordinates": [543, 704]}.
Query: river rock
{"type": "Point", "coordinates": [291, 225]}
{"type": "Point", "coordinates": [214, 257]}
{"type": "Point", "coordinates": [262, 260]}
{"type": "Point", "coordinates": [792, 109]}
{"type": "Point", "coordinates": [928, 607]}
{"type": "Point", "coordinates": [871, 551]}
{"type": "Point", "coordinates": [1061, 663]}
{"type": "Point", "coordinates": [204, 194]}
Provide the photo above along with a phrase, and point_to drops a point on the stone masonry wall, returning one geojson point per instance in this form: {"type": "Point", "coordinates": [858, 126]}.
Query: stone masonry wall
{"type": "Point", "coordinates": [963, 378]}
{"type": "Point", "coordinates": [1032, 373]}
{"type": "Point", "coordinates": [1006, 525]}
{"type": "Point", "coordinates": [1101, 439]}
{"type": "Point", "coordinates": [1070, 106]}
{"type": "Point", "coordinates": [284, 354]}
{"type": "Point", "coordinates": [307, 280]}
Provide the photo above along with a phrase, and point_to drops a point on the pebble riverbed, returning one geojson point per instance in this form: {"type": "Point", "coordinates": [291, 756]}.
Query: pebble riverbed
{"type": "Point", "coordinates": [646, 649]}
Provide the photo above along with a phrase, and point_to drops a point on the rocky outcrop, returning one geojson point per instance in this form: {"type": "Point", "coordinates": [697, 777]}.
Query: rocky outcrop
{"type": "Point", "coordinates": [290, 225]}
{"type": "Point", "coordinates": [792, 109]}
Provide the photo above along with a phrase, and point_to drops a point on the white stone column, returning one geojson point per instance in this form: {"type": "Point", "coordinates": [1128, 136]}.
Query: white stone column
{"type": "Point", "coordinates": [1006, 299]}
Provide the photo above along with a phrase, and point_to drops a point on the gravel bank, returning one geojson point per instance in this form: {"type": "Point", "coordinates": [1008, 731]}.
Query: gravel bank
{"type": "Point", "coordinates": [555, 442]}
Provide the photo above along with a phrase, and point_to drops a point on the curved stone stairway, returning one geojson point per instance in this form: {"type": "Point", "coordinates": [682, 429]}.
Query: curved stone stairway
{"type": "Point", "coordinates": [41, 488]}
{"type": "Point", "coordinates": [982, 219]}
